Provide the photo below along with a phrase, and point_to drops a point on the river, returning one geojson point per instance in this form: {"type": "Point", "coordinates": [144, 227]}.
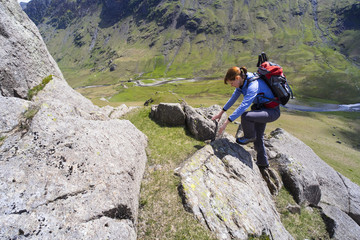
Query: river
{"type": "Point", "coordinates": [322, 107]}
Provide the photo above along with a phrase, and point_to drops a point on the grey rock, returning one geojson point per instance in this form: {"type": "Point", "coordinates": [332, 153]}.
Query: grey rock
{"type": "Point", "coordinates": [25, 60]}
{"type": "Point", "coordinates": [12, 111]}
{"type": "Point", "coordinates": [199, 123]}
{"type": "Point", "coordinates": [339, 224]}
{"type": "Point", "coordinates": [272, 180]}
{"type": "Point", "coordinates": [272, 154]}
{"type": "Point", "coordinates": [226, 193]}
{"type": "Point", "coordinates": [169, 114]}
{"type": "Point", "coordinates": [304, 174]}
{"type": "Point", "coordinates": [300, 180]}
{"type": "Point", "coordinates": [198, 120]}
{"type": "Point", "coordinates": [294, 208]}
{"type": "Point", "coordinates": [67, 170]}
{"type": "Point", "coordinates": [82, 171]}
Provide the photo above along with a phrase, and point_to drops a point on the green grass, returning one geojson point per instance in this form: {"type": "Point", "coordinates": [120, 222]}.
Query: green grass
{"type": "Point", "coordinates": [31, 112]}
{"type": "Point", "coordinates": [35, 90]}
{"type": "Point", "coordinates": [162, 215]}
{"type": "Point", "coordinates": [174, 92]}
{"type": "Point", "coordinates": [306, 225]}
{"type": "Point", "coordinates": [2, 139]}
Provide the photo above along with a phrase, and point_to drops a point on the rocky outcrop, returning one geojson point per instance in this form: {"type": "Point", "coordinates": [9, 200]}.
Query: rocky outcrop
{"type": "Point", "coordinates": [170, 114]}
{"type": "Point", "coordinates": [197, 120]}
{"type": "Point", "coordinates": [67, 170]}
{"type": "Point", "coordinates": [199, 123]}
{"type": "Point", "coordinates": [223, 187]}
{"type": "Point", "coordinates": [25, 60]}
{"type": "Point", "coordinates": [312, 181]}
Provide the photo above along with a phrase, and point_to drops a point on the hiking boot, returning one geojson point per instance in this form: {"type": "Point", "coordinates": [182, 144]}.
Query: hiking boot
{"type": "Point", "coordinates": [244, 140]}
{"type": "Point", "coordinates": [263, 167]}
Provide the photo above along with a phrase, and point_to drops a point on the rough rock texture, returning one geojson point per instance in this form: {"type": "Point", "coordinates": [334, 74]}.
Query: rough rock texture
{"type": "Point", "coordinates": [25, 60]}
{"type": "Point", "coordinates": [224, 190]}
{"type": "Point", "coordinates": [312, 181]}
{"type": "Point", "coordinates": [197, 120]}
{"type": "Point", "coordinates": [67, 170]}
{"type": "Point", "coordinates": [12, 110]}
{"type": "Point", "coordinates": [169, 114]}
{"type": "Point", "coordinates": [199, 123]}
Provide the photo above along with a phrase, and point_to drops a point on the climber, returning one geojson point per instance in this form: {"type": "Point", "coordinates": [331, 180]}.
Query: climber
{"type": "Point", "coordinates": [263, 110]}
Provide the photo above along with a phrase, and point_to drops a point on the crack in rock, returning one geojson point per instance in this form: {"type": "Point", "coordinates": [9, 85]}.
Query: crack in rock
{"type": "Point", "coordinates": [66, 196]}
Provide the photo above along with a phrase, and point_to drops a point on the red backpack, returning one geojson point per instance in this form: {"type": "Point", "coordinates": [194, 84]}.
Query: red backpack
{"type": "Point", "coordinates": [274, 77]}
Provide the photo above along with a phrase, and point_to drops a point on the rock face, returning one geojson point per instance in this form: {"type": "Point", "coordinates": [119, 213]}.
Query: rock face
{"type": "Point", "coordinates": [170, 114]}
{"type": "Point", "coordinates": [312, 181]}
{"type": "Point", "coordinates": [199, 123]}
{"type": "Point", "coordinates": [227, 194]}
{"type": "Point", "coordinates": [197, 120]}
{"type": "Point", "coordinates": [25, 60]}
{"type": "Point", "coordinates": [67, 170]}
{"type": "Point", "coordinates": [224, 190]}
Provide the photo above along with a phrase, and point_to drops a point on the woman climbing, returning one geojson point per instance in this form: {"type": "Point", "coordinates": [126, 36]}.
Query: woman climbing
{"type": "Point", "coordinates": [263, 109]}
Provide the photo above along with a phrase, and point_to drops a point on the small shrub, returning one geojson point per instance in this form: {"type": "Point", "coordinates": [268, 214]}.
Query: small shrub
{"type": "Point", "coordinates": [2, 140]}
{"type": "Point", "coordinates": [35, 90]}
{"type": "Point", "coordinates": [31, 112]}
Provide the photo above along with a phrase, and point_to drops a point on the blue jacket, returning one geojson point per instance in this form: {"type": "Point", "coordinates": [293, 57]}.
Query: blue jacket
{"type": "Point", "coordinates": [254, 92]}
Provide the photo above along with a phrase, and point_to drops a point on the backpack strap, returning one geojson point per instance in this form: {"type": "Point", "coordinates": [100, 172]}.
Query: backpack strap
{"type": "Point", "coordinates": [255, 77]}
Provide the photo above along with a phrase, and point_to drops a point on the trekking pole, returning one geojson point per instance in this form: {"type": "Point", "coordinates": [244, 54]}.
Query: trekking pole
{"type": "Point", "coordinates": [264, 57]}
{"type": "Point", "coordinates": [259, 61]}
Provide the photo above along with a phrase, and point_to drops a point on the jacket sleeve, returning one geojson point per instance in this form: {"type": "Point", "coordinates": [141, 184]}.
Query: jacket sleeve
{"type": "Point", "coordinates": [236, 94]}
{"type": "Point", "coordinates": [249, 97]}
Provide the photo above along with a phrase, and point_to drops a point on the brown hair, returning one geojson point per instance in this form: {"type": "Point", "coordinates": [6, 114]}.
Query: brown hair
{"type": "Point", "coordinates": [233, 72]}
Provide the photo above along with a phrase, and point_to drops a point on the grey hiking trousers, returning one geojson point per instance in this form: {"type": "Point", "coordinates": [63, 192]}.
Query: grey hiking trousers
{"type": "Point", "coordinates": [254, 124]}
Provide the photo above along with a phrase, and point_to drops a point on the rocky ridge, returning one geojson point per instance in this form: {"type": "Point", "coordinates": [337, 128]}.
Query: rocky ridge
{"type": "Point", "coordinates": [313, 182]}
{"type": "Point", "coordinates": [223, 188]}
{"type": "Point", "coordinates": [228, 194]}
{"type": "Point", "coordinates": [67, 169]}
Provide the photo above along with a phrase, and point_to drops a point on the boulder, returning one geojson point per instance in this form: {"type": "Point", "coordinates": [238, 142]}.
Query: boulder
{"type": "Point", "coordinates": [199, 123]}
{"type": "Point", "coordinates": [312, 181]}
{"type": "Point", "coordinates": [67, 174]}
{"type": "Point", "coordinates": [226, 193]}
{"type": "Point", "coordinates": [67, 170]}
{"type": "Point", "coordinates": [301, 181]}
{"type": "Point", "coordinates": [197, 120]}
{"type": "Point", "coordinates": [25, 60]}
{"type": "Point", "coordinates": [339, 225]}
{"type": "Point", "coordinates": [168, 114]}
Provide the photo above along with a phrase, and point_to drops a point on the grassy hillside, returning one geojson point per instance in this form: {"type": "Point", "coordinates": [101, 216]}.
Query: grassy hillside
{"type": "Point", "coordinates": [108, 42]}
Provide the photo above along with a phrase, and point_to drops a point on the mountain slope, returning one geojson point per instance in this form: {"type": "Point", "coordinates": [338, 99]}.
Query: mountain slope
{"type": "Point", "coordinates": [97, 42]}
